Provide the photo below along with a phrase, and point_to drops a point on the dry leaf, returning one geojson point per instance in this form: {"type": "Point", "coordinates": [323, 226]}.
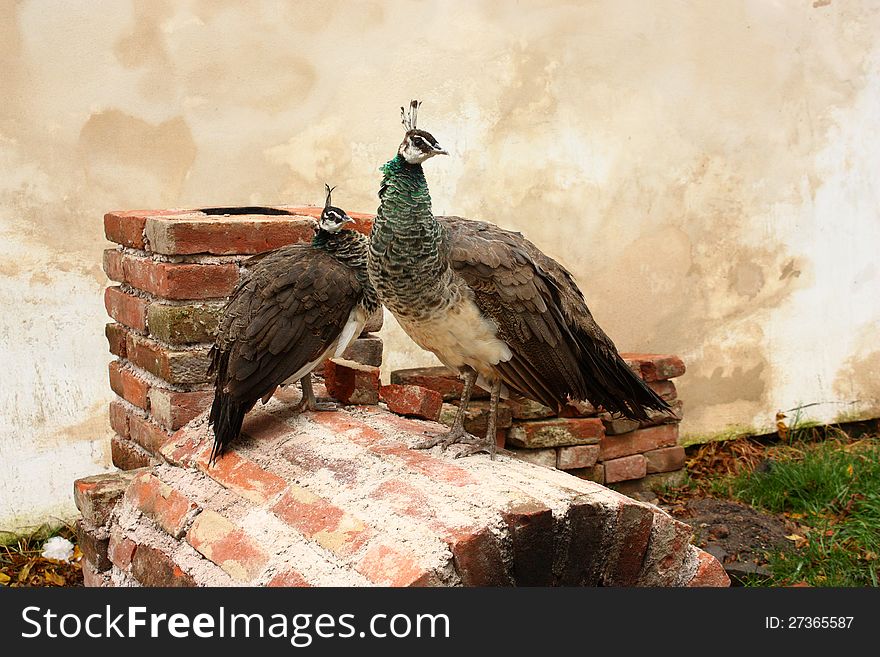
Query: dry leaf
{"type": "Point", "coordinates": [23, 574]}
{"type": "Point", "coordinates": [54, 578]}
{"type": "Point", "coordinates": [4, 578]}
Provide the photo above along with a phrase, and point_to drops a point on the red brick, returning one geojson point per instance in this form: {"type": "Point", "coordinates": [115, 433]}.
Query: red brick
{"type": "Point", "coordinates": [386, 566]}
{"type": "Point", "coordinates": [374, 321]}
{"type": "Point", "coordinates": [115, 334]}
{"type": "Point", "coordinates": [625, 468]}
{"type": "Point", "coordinates": [366, 350]}
{"type": "Point", "coordinates": [352, 383]}
{"type": "Point", "coordinates": [288, 578]}
{"type": "Point", "coordinates": [578, 408]}
{"type": "Point", "coordinates": [179, 366]}
{"type": "Point", "coordinates": [128, 385]}
{"type": "Point", "coordinates": [637, 442]}
{"type": "Point", "coordinates": [184, 323]}
{"type": "Point", "coordinates": [242, 476]}
{"type": "Point", "coordinates": [120, 549]}
{"type": "Point", "coordinates": [709, 572]}
{"type": "Point", "coordinates": [412, 400]}
{"type": "Point", "coordinates": [126, 308]}
{"type": "Point", "coordinates": [476, 418]}
{"type": "Point", "coordinates": [530, 526]}
{"type": "Point", "coordinates": [92, 576]}
{"type": "Point", "coordinates": [632, 533]}
{"type": "Point", "coordinates": [127, 455]}
{"type": "Point", "coordinates": [596, 473]}
{"type": "Point", "coordinates": [230, 235]}
{"type": "Point", "coordinates": [93, 544]}
{"type": "Point", "coordinates": [147, 434]}
{"type": "Point", "coordinates": [655, 367]}
{"type": "Point", "coordinates": [180, 280]}
{"type": "Point", "coordinates": [665, 459]}
{"type": "Point", "coordinates": [119, 418]}
{"type": "Point", "coordinates": [167, 507]}
{"type": "Point", "coordinates": [113, 265]}
{"type": "Point", "coordinates": [363, 221]}
{"type": "Point", "coordinates": [173, 409]}
{"type": "Point", "coordinates": [126, 228]}
{"type": "Point", "coordinates": [152, 567]}
{"type": "Point", "coordinates": [666, 552]}
{"type": "Point", "coordinates": [441, 379]}
{"type": "Point", "coordinates": [527, 409]}
{"type": "Point", "coordinates": [319, 520]}
{"type": "Point", "coordinates": [583, 549]}
{"type": "Point", "coordinates": [96, 496]}
{"type": "Point", "coordinates": [556, 433]}
{"type": "Point", "coordinates": [666, 389]}
{"type": "Point", "coordinates": [227, 545]}
{"type": "Point", "coordinates": [578, 456]}
{"type": "Point", "coordinates": [477, 558]}
{"type": "Point", "coordinates": [546, 457]}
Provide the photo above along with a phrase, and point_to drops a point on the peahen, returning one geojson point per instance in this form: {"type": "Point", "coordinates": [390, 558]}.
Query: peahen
{"type": "Point", "coordinates": [296, 306]}
{"type": "Point", "coordinates": [488, 303]}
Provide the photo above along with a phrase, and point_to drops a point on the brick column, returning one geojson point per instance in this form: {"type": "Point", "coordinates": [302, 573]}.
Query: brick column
{"type": "Point", "coordinates": [174, 270]}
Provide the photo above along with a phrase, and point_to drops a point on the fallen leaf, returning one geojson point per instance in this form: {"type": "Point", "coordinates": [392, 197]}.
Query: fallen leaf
{"type": "Point", "coordinates": [849, 470]}
{"type": "Point", "coordinates": [54, 578]}
{"type": "Point", "coordinates": [4, 578]}
{"type": "Point", "coordinates": [23, 574]}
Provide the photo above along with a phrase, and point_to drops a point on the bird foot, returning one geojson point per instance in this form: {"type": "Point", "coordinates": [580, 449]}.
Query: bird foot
{"type": "Point", "coordinates": [458, 436]}
{"type": "Point", "coordinates": [480, 446]}
{"type": "Point", "coordinates": [306, 404]}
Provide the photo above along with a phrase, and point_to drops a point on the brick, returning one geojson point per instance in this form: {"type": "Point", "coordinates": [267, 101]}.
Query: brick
{"type": "Point", "coordinates": [545, 457]}
{"type": "Point", "coordinates": [412, 400]}
{"type": "Point", "coordinates": [578, 408]}
{"type": "Point", "coordinates": [530, 526]}
{"type": "Point", "coordinates": [624, 468]}
{"type": "Point", "coordinates": [363, 221]}
{"type": "Point", "coordinates": [113, 265]}
{"type": "Point", "coordinates": [152, 567]}
{"type": "Point", "coordinates": [127, 455]}
{"type": "Point", "coordinates": [352, 383]}
{"type": "Point", "coordinates": [96, 496]}
{"type": "Point", "coordinates": [126, 228]}
{"type": "Point", "coordinates": [662, 417]}
{"type": "Point", "coordinates": [288, 578]}
{"type": "Point", "coordinates": [665, 459]}
{"type": "Point", "coordinates": [666, 551]}
{"type": "Point", "coordinates": [126, 308]}
{"type": "Point", "coordinates": [476, 418]}
{"type": "Point", "coordinates": [243, 476]}
{"type": "Point", "coordinates": [477, 558]}
{"type": "Point", "coordinates": [227, 545]}
{"type": "Point", "coordinates": [666, 389]}
{"type": "Point", "coordinates": [595, 474]}
{"type": "Point", "coordinates": [319, 520]}
{"type": "Point", "coordinates": [115, 334]}
{"type": "Point", "coordinates": [577, 456]}
{"type": "Point", "coordinates": [559, 432]}
{"type": "Point", "coordinates": [637, 442]}
{"type": "Point", "coordinates": [128, 385]}
{"type": "Point", "coordinates": [93, 543]}
{"type": "Point", "coordinates": [167, 507]}
{"type": "Point", "coordinates": [527, 409]}
{"type": "Point", "coordinates": [366, 350]}
{"type": "Point", "coordinates": [632, 531]}
{"type": "Point", "coordinates": [386, 566]}
{"type": "Point", "coordinates": [182, 281]}
{"type": "Point", "coordinates": [582, 550]}
{"type": "Point", "coordinates": [178, 366]}
{"type": "Point", "coordinates": [120, 549]}
{"type": "Point", "coordinates": [119, 418]}
{"type": "Point", "coordinates": [709, 572]}
{"type": "Point", "coordinates": [147, 434]}
{"type": "Point", "coordinates": [374, 321]}
{"type": "Point", "coordinates": [614, 426]}
{"type": "Point", "coordinates": [92, 576]}
{"type": "Point", "coordinates": [225, 235]}
{"type": "Point", "coordinates": [442, 379]}
{"type": "Point", "coordinates": [655, 367]}
{"type": "Point", "coordinates": [184, 323]}
{"type": "Point", "coordinates": [172, 408]}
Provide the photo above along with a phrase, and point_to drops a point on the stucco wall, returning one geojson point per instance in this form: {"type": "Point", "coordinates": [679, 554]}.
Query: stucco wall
{"type": "Point", "coordinates": [708, 171]}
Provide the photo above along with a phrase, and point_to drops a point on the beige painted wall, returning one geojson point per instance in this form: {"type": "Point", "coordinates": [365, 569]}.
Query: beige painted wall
{"type": "Point", "coordinates": [708, 170]}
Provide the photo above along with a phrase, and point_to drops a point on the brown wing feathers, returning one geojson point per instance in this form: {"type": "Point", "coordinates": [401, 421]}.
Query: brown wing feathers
{"type": "Point", "coordinates": [559, 352]}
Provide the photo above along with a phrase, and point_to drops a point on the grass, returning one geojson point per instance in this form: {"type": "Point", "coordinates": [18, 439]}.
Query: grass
{"type": "Point", "coordinates": [829, 485]}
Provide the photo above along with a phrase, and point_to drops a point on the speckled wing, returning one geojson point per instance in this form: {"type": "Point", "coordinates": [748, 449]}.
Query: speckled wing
{"type": "Point", "coordinates": [559, 352]}
{"type": "Point", "coordinates": [289, 309]}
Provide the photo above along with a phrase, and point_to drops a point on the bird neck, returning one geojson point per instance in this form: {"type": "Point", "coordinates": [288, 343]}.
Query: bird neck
{"type": "Point", "coordinates": [349, 248]}
{"type": "Point", "coordinates": [404, 199]}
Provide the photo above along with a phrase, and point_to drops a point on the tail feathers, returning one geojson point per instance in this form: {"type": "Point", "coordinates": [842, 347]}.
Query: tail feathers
{"type": "Point", "coordinates": [226, 418]}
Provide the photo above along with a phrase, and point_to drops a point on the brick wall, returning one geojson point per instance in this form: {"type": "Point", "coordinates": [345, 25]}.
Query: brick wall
{"type": "Point", "coordinates": [173, 271]}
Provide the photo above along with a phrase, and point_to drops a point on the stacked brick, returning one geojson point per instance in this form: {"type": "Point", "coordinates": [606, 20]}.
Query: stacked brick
{"type": "Point", "coordinates": [173, 271]}
{"type": "Point", "coordinates": [584, 441]}
{"type": "Point", "coordinates": [341, 499]}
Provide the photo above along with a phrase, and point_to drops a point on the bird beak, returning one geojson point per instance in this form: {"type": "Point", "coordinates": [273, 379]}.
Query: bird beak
{"type": "Point", "coordinates": [440, 151]}
{"type": "Point", "coordinates": [348, 220]}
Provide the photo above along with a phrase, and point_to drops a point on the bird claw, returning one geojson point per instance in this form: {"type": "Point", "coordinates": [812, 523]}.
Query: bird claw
{"type": "Point", "coordinates": [481, 447]}
{"type": "Point", "coordinates": [454, 436]}
{"type": "Point", "coordinates": [314, 405]}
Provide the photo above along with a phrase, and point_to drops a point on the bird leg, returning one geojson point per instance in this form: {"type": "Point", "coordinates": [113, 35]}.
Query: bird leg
{"type": "Point", "coordinates": [308, 401]}
{"type": "Point", "coordinates": [489, 446]}
{"type": "Point", "coordinates": [456, 434]}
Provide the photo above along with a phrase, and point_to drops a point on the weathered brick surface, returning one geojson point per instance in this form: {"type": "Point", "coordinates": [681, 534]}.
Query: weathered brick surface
{"type": "Point", "coordinates": [386, 566]}
{"type": "Point", "coordinates": [120, 549]}
{"type": "Point", "coordinates": [442, 379]}
{"type": "Point", "coordinates": [147, 433]}
{"type": "Point", "coordinates": [655, 367]}
{"type": "Point", "coordinates": [666, 389]}
{"type": "Point", "coordinates": [115, 334]}
{"type": "Point", "coordinates": [632, 533]}
{"type": "Point", "coordinates": [665, 459]}
{"type": "Point", "coordinates": [478, 558]}
{"type": "Point", "coordinates": [168, 508]}
{"type": "Point", "coordinates": [709, 572]}
{"type": "Point", "coordinates": [93, 542]}
{"type": "Point", "coordinates": [184, 323]}
{"type": "Point", "coordinates": [96, 496]}
{"type": "Point", "coordinates": [126, 228]}
{"type": "Point", "coordinates": [172, 408]}
{"type": "Point", "coordinates": [126, 308]}
{"type": "Point", "coordinates": [625, 467]}
{"type": "Point", "coordinates": [179, 366]}
{"type": "Point", "coordinates": [366, 350]}
{"type": "Point", "coordinates": [412, 400]}
{"type": "Point", "coordinates": [559, 432]}
{"type": "Point", "coordinates": [92, 576]}
{"type": "Point", "coordinates": [128, 455]}
{"type": "Point", "coordinates": [113, 265]}
{"type": "Point", "coordinates": [152, 567]}
{"type": "Point", "coordinates": [288, 578]}
{"type": "Point", "coordinates": [545, 457]}
{"type": "Point", "coordinates": [526, 409]}
{"type": "Point", "coordinates": [119, 418]}
{"type": "Point", "coordinates": [530, 525]}
{"type": "Point", "coordinates": [182, 281]}
{"type": "Point", "coordinates": [128, 385]}
{"type": "Point", "coordinates": [637, 442]}
{"type": "Point", "coordinates": [352, 383]}
{"type": "Point", "coordinates": [374, 321]}
{"type": "Point", "coordinates": [227, 545]}
{"type": "Point", "coordinates": [578, 456]}
{"type": "Point", "coordinates": [243, 476]}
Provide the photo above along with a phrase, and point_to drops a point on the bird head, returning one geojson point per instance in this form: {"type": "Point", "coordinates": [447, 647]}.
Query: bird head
{"type": "Point", "coordinates": [332, 218]}
{"type": "Point", "coordinates": [417, 145]}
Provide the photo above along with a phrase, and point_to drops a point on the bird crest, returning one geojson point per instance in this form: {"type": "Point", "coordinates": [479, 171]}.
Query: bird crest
{"type": "Point", "coordinates": [329, 192]}
{"type": "Point", "coordinates": [408, 116]}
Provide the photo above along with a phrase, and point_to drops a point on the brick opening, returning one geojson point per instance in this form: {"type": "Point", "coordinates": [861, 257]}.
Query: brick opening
{"type": "Point", "coordinates": [244, 210]}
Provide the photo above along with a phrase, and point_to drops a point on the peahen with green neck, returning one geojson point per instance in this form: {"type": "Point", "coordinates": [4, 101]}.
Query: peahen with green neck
{"type": "Point", "coordinates": [488, 303]}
